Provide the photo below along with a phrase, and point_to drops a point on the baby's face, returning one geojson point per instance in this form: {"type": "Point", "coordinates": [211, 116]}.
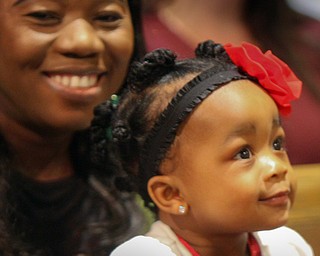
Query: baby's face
{"type": "Point", "coordinates": [232, 166]}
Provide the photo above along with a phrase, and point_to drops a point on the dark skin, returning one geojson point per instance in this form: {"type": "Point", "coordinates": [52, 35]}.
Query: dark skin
{"type": "Point", "coordinates": [59, 59]}
{"type": "Point", "coordinates": [239, 179]}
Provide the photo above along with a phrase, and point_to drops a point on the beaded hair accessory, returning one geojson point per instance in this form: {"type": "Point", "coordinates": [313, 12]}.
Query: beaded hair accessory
{"type": "Point", "coordinates": [246, 62]}
{"type": "Point", "coordinates": [101, 131]}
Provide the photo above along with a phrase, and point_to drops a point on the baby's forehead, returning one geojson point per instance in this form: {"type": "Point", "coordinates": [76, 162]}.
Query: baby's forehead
{"type": "Point", "coordinates": [232, 103]}
{"type": "Point", "coordinates": [229, 96]}
{"type": "Point", "coordinates": [232, 94]}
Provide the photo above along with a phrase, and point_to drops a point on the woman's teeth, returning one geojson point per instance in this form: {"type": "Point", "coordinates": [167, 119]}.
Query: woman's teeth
{"type": "Point", "coordinates": [74, 81]}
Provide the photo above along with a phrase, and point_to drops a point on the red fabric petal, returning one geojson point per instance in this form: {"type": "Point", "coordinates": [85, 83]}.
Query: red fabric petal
{"type": "Point", "coordinates": [273, 74]}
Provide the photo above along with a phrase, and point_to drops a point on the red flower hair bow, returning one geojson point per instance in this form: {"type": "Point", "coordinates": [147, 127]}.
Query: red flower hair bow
{"type": "Point", "coordinates": [272, 73]}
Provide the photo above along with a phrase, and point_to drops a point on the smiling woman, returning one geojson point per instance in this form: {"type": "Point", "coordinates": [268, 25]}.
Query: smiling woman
{"type": "Point", "coordinates": [44, 42]}
{"type": "Point", "coordinates": [58, 60]}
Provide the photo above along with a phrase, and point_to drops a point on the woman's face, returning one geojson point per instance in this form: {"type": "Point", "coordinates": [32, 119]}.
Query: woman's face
{"type": "Point", "coordinates": [232, 169]}
{"type": "Point", "coordinates": [60, 58]}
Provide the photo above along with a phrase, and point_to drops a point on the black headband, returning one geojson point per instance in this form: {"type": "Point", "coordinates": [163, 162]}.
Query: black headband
{"type": "Point", "coordinates": [164, 131]}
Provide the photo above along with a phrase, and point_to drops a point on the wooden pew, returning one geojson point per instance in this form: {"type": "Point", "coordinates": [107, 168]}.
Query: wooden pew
{"type": "Point", "coordinates": [305, 214]}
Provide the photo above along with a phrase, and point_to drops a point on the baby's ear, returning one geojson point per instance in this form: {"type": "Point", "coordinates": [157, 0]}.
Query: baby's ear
{"type": "Point", "coordinates": [166, 195]}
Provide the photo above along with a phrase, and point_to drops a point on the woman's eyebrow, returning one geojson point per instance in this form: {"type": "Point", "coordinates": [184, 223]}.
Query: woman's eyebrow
{"type": "Point", "coordinates": [111, 1]}
{"type": "Point", "coordinates": [119, 1]}
{"type": "Point", "coordinates": [17, 2]}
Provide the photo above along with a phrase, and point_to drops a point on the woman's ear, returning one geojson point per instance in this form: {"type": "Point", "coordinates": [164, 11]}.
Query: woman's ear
{"type": "Point", "coordinates": [167, 195]}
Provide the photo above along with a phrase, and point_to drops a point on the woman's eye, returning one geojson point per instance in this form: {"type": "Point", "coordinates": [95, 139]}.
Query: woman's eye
{"type": "Point", "coordinates": [278, 144]}
{"type": "Point", "coordinates": [244, 153]}
{"type": "Point", "coordinates": [45, 17]}
{"type": "Point", "coordinates": [109, 17]}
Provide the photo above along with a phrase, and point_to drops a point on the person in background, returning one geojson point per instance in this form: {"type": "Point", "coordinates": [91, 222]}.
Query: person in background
{"type": "Point", "coordinates": [58, 60]}
{"type": "Point", "coordinates": [295, 38]}
{"type": "Point", "coordinates": [201, 140]}
{"type": "Point", "coordinates": [310, 8]}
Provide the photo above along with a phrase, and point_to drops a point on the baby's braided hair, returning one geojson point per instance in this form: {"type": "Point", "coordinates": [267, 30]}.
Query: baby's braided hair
{"type": "Point", "coordinates": [154, 86]}
{"type": "Point", "coordinates": [100, 136]}
{"type": "Point", "coordinates": [154, 66]}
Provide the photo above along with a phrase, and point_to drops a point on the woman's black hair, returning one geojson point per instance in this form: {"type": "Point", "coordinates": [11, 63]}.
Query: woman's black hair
{"type": "Point", "coordinates": [139, 45]}
{"type": "Point", "coordinates": [141, 133]}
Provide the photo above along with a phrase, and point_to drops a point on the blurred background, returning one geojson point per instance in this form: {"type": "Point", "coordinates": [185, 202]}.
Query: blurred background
{"type": "Point", "coordinates": [308, 7]}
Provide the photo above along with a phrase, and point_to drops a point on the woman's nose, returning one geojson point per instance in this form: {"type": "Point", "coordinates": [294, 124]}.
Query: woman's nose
{"type": "Point", "coordinates": [79, 39]}
{"type": "Point", "coordinates": [274, 168]}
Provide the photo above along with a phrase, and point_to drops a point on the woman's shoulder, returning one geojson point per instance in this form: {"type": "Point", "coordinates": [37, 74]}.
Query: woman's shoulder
{"type": "Point", "coordinates": [283, 241]}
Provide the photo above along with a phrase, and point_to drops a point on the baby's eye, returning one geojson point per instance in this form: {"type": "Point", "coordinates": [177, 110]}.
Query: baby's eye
{"type": "Point", "coordinates": [244, 153]}
{"type": "Point", "coordinates": [45, 17]}
{"type": "Point", "coordinates": [278, 144]}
